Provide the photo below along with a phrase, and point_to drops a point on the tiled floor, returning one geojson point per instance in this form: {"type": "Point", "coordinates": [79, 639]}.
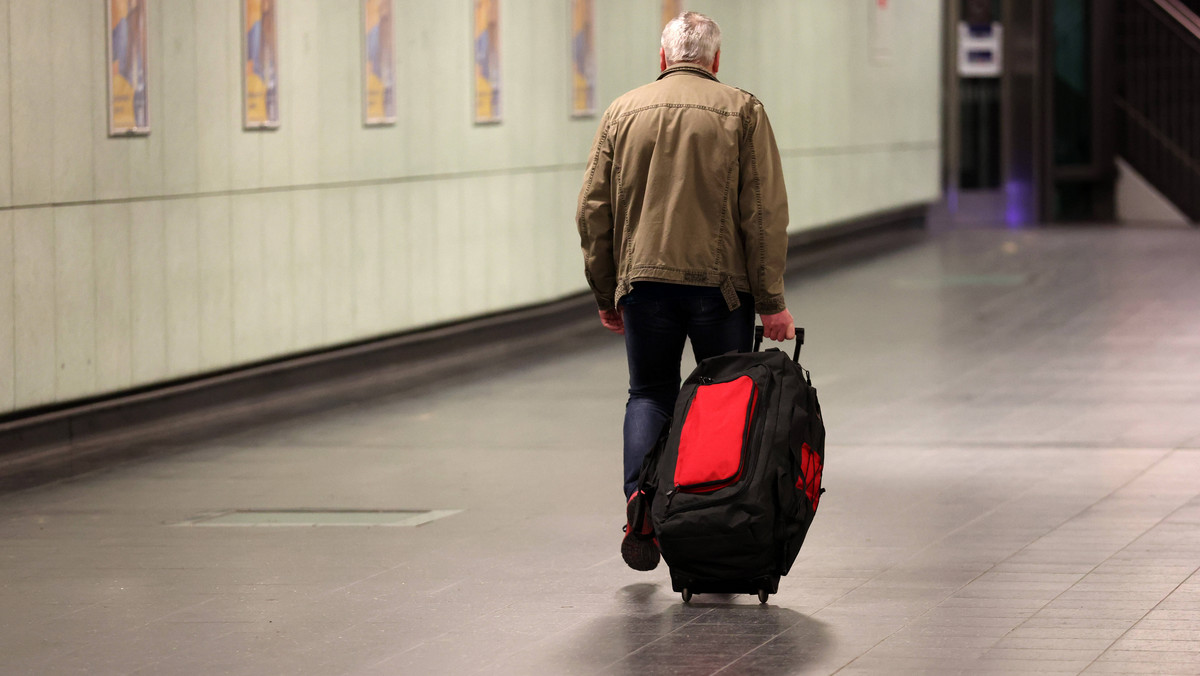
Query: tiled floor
{"type": "Point", "coordinates": [1013, 476]}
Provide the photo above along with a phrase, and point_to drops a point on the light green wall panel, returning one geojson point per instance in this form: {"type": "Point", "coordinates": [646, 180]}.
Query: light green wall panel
{"type": "Point", "coordinates": [71, 140]}
{"type": "Point", "coordinates": [32, 81]}
{"type": "Point", "coordinates": [338, 263]}
{"type": "Point", "coordinates": [393, 237]}
{"type": "Point", "coordinates": [367, 254]}
{"type": "Point", "coordinates": [179, 104]}
{"type": "Point", "coordinates": [276, 265]}
{"type": "Point", "coordinates": [212, 246]}
{"type": "Point", "coordinates": [7, 311]}
{"type": "Point", "coordinates": [181, 241]}
{"type": "Point", "coordinates": [523, 241]}
{"type": "Point", "coordinates": [5, 144]}
{"type": "Point", "coordinates": [214, 249]}
{"type": "Point", "coordinates": [75, 309]}
{"type": "Point", "coordinates": [34, 312]}
{"type": "Point", "coordinates": [450, 273]}
{"type": "Point", "coordinates": [308, 295]}
{"type": "Point", "coordinates": [421, 228]}
{"type": "Point", "coordinates": [148, 291]}
{"type": "Point", "coordinates": [217, 92]}
{"type": "Point", "coordinates": [114, 297]}
{"type": "Point", "coordinates": [250, 332]}
{"type": "Point", "coordinates": [470, 246]}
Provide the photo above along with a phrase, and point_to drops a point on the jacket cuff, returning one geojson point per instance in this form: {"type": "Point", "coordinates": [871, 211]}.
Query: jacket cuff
{"type": "Point", "coordinates": [769, 305]}
{"type": "Point", "coordinates": [604, 304]}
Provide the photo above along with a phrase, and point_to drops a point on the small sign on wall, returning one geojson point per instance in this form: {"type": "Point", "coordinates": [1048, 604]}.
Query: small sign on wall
{"type": "Point", "coordinates": [979, 49]}
{"type": "Point", "coordinates": [379, 63]}
{"type": "Point", "coordinates": [260, 58]}
{"type": "Point", "coordinates": [128, 80]}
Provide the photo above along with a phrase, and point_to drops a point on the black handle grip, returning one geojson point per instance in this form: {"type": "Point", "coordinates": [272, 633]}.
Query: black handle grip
{"type": "Point", "coordinates": [758, 339]}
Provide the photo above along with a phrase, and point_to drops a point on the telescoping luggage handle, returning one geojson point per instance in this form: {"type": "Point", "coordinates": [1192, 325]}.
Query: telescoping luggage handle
{"type": "Point", "coordinates": [758, 339]}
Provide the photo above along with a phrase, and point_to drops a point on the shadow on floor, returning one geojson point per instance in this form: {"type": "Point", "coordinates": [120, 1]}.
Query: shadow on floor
{"type": "Point", "coordinates": [715, 632]}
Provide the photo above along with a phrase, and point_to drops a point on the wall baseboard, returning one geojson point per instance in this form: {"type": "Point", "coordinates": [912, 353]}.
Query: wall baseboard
{"type": "Point", "coordinates": [52, 443]}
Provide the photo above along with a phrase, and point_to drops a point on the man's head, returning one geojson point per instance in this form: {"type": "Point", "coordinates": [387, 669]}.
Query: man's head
{"type": "Point", "coordinates": [691, 37]}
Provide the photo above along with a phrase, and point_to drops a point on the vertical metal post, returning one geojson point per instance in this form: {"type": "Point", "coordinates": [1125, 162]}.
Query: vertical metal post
{"type": "Point", "coordinates": [1104, 133]}
{"type": "Point", "coordinates": [951, 106]}
{"type": "Point", "coordinates": [1022, 115]}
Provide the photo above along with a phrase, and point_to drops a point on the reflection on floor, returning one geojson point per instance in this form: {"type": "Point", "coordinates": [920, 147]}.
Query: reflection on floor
{"type": "Point", "coordinates": [1013, 476]}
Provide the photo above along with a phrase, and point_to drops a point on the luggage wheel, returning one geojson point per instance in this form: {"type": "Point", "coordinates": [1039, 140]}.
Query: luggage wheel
{"type": "Point", "coordinates": [687, 595]}
{"type": "Point", "coordinates": [763, 595]}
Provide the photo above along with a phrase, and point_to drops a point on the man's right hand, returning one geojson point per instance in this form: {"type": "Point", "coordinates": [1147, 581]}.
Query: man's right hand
{"type": "Point", "coordinates": [613, 321]}
{"type": "Point", "coordinates": [779, 326]}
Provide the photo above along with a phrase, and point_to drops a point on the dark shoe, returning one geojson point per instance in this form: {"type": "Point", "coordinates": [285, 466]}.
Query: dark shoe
{"type": "Point", "coordinates": [639, 548]}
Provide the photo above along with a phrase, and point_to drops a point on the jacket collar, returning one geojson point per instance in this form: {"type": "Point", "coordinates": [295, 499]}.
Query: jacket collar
{"type": "Point", "coordinates": [689, 68]}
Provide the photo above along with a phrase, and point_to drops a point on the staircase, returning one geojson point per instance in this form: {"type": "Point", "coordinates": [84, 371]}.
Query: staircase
{"type": "Point", "coordinates": [1158, 96]}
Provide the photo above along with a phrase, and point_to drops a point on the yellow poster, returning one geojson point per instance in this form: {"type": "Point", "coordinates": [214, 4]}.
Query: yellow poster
{"type": "Point", "coordinates": [670, 10]}
{"type": "Point", "coordinates": [128, 109]}
{"type": "Point", "coordinates": [379, 63]}
{"type": "Point", "coordinates": [261, 95]}
{"type": "Point", "coordinates": [487, 61]}
{"type": "Point", "coordinates": [583, 60]}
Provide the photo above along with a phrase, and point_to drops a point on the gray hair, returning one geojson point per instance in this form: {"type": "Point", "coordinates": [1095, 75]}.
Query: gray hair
{"type": "Point", "coordinates": [691, 37]}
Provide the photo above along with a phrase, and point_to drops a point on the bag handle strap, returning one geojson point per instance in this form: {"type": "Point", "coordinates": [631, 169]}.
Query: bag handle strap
{"type": "Point", "coordinates": [758, 339]}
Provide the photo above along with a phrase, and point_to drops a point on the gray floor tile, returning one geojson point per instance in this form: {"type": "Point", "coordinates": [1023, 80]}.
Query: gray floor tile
{"type": "Point", "coordinates": [1013, 476]}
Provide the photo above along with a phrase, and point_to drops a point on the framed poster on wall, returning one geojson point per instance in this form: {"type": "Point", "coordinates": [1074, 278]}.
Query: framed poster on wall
{"type": "Point", "coordinates": [487, 61]}
{"type": "Point", "coordinates": [670, 10]}
{"type": "Point", "coordinates": [583, 59]}
{"type": "Point", "coordinates": [128, 86]}
{"type": "Point", "coordinates": [379, 63]}
{"type": "Point", "coordinates": [260, 60]}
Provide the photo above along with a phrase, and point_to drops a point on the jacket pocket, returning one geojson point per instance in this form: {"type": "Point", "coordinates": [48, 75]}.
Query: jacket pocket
{"type": "Point", "coordinates": [713, 444]}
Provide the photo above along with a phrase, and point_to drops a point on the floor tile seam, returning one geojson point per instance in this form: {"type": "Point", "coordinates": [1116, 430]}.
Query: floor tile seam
{"type": "Point", "coordinates": [405, 651]}
{"type": "Point", "coordinates": [1161, 601]}
{"type": "Point", "coordinates": [527, 646]}
{"type": "Point", "coordinates": [943, 445]}
{"type": "Point", "coordinates": [918, 553]}
{"type": "Point", "coordinates": [660, 638]}
{"type": "Point", "coordinates": [985, 515]}
{"type": "Point", "coordinates": [757, 647]}
{"type": "Point", "coordinates": [1165, 517]}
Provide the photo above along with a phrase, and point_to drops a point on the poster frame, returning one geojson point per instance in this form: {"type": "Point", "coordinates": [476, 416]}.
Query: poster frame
{"type": "Point", "coordinates": [388, 118]}
{"type": "Point", "coordinates": [269, 122]}
{"type": "Point", "coordinates": [115, 130]}
{"type": "Point", "coordinates": [583, 65]}
{"type": "Point", "coordinates": [484, 62]}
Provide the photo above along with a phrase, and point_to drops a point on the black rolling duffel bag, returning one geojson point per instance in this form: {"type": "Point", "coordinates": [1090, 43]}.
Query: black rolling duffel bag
{"type": "Point", "coordinates": [737, 480]}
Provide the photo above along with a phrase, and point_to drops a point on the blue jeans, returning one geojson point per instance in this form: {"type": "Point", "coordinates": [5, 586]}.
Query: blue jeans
{"type": "Point", "coordinates": [658, 317]}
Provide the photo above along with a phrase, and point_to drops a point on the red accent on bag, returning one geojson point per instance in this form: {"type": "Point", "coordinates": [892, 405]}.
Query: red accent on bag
{"type": "Point", "coordinates": [714, 433]}
{"type": "Point", "coordinates": [810, 474]}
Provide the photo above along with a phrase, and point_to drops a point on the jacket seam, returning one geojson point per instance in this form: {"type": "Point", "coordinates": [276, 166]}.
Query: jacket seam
{"type": "Point", "coordinates": [719, 253]}
{"type": "Point", "coordinates": [758, 215]}
{"type": "Point", "coordinates": [718, 111]}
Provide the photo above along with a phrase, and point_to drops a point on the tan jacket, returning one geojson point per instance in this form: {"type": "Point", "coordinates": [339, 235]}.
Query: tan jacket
{"type": "Point", "coordinates": [685, 185]}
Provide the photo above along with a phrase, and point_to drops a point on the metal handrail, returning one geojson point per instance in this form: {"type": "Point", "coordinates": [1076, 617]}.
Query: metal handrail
{"type": "Point", "coordinates": [1158, 97]}
{"type": "Point", "coordinates": [1185, 17]}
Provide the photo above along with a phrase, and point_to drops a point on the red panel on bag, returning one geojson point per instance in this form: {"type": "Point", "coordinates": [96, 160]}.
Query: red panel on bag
{"type": "Point", "coordinates": [810, 477]}
{"type": "Point", "coordinates": [714, 432]}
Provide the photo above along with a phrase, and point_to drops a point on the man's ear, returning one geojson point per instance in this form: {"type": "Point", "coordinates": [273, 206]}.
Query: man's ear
{"type": "Point", "coordinates": [662, 60]}
{"type": "Point", "coordinates": [716, 62]}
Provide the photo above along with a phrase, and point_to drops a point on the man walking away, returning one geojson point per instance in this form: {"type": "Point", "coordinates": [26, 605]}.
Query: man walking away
{"type": "Point", "coordinates": [683, 223]}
